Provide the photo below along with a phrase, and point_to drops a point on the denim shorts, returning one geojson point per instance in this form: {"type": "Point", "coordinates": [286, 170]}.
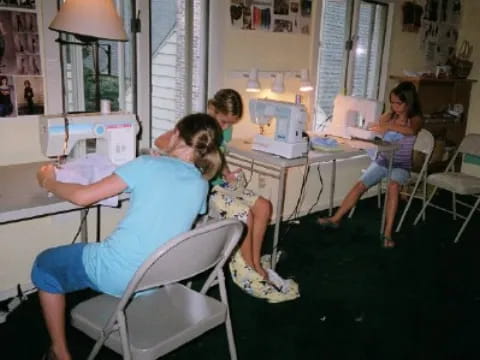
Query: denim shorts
{"type": "Point", "coordinates": [60, 270]}
{"type": "Point", "coordinates": [375, 173]}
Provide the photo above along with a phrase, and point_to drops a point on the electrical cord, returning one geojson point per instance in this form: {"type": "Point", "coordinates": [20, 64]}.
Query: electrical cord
{"type": "Point", "coordinates": [84, 217]}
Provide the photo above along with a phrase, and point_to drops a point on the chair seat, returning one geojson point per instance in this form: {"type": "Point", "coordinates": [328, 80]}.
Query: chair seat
{"type": "Point", "coordinates": [459, 183]}
{"type": "Point", "coordinates": [153, 333]}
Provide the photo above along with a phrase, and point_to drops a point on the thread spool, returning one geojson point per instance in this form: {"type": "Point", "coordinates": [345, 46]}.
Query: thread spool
{"type": "Point", "coordinates": [105, 106]}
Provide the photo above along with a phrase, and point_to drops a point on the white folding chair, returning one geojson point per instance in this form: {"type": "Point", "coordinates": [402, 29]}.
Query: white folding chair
{"type": "Point", "coordinates": [424, 144]}
{"type": "Point", "coordinates": [457, 183]}
{"type": "Point", "coordinates": [149, 325]}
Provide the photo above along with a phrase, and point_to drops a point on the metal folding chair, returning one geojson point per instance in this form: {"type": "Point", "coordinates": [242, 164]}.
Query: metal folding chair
{"type": "Point", "coordinates": [146, 325]}
{"type": "Point", "coordinates": [457, 183]}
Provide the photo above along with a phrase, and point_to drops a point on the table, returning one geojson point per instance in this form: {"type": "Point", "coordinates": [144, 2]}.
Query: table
{"type": "Point", "coordinates": [21, 198]}
{"type": "Point", "coordinates": [240, 153]}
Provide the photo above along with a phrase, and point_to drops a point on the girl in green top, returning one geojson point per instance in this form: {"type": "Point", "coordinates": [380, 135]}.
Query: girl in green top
{"type": "Point", "coordinates": [228, 200]}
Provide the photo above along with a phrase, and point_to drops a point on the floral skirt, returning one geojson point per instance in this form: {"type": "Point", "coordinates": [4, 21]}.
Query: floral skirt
{"type": "Point", "coordinates": [227, 202]}
{"type": "Point", "coordinates": [274, 291]}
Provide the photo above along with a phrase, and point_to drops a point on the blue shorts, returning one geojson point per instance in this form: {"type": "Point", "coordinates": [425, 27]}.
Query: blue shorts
{"type": "Point", "coordinates": [60, 270]}
{"type": "Point", "coordinates": [375, 173]}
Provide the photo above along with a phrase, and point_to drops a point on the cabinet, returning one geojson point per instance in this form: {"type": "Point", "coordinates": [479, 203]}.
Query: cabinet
{"type": "Point", "coordinates": [436, 95]}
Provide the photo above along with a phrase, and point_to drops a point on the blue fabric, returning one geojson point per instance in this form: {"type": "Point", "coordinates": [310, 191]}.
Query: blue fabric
{"type": "Point", "coordinates": [375, 173]}
{"type": "Point", "coordinates": [60, 270]}
{"type": "Point", "coordinates": [167, 194]}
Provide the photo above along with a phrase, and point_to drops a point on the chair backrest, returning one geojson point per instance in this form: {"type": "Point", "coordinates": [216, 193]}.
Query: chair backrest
{"type": "Point", "coordinates": [470, 145]}
{"type": "Point", "coordinates": [187, 255]}
{"type": "Point", "coordinates": [425, 142]}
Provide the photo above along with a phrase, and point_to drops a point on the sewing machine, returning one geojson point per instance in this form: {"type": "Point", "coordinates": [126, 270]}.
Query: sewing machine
{"type": "Point", "coordinates": [352, 116]}
{"type": "Point", "coordinates": [112, 135]}
{"type": "Point", "coordinates": [290, 120]}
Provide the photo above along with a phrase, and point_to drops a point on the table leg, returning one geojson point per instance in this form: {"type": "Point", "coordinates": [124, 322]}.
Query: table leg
{"type": "Point", "coordinates": [278, 213]}
{"type": "Point", "coordinates": [99, 222]}
{"type": "Point", "coordinates": [332, 186]}
{"type": "Point", "coordinates": [384, 212]}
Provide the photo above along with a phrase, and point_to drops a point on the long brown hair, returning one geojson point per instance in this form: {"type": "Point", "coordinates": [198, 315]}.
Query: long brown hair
{"type": "Point", "coordinates": [204, 135]}
{"type": "Point", "coordinates": [227, 101]}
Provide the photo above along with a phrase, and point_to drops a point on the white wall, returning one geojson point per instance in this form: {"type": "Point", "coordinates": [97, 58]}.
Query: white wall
{"type": "Point", "coordinates": [19, 143]}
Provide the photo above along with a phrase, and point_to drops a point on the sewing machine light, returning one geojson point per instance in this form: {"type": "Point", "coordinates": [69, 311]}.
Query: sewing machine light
{"type": "Point", "coordinates": [305, 84]}
{"type": "Point", "coordinates": [252, 84]}
{"type": "Point", "coordinates": [278, 85]}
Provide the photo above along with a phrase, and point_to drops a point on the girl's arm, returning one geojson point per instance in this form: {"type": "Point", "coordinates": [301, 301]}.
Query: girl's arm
{"type": "Point", "coordinates": [415, 125]}
{"type": "Point", "coordinates": [82, 195]}
{"type": "Point", "coordinates": [163, 140]}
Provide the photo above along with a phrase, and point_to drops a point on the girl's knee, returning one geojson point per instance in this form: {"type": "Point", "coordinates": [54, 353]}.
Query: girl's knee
{"type": "Point", "coordinates": [394, 187]}
{"type": "Point", "coordinates": [262, 206]}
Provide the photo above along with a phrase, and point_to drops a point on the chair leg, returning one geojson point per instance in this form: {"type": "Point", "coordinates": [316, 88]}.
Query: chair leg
{"type": "Point", "coordinates": [420, 214]}
{"type": "Point", "coordinates": [454, 206]}
{"type": "Point", "coordinates": [379, 195]}
{"type": "Point", "coordinates": [352, 210]}
{"type": "Point", "coordinates": [414, 191]}
{"type": "Point", "coordinates": [474, 207]}
{"type": "Point", "coordinates": [424, 195]}
{"type": "Point", "coordinates": [228, 322]}
{"type": "Point", "coordinates": [96, 348]}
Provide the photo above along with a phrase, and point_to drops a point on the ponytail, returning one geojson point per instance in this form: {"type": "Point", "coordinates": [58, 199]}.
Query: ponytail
{"type": "Point", "coordinates": [204, 135]}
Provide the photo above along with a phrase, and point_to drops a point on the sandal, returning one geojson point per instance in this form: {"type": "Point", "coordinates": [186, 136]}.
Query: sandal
{"type": "Point", "coordinates": [388, 242]}
{"type": "Point", "coordinates": [326, 223]}
{"type": "Point", "coordinates": [49, 355]}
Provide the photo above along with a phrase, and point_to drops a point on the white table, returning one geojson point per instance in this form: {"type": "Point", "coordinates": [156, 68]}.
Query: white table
{"type": "Point", "coordinates": [21, 198]}
{"type": "Point", "coordinates": [240, 153]}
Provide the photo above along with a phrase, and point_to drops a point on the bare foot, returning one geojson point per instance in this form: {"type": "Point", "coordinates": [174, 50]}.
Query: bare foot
{"type": "Point", "coordinates": [259, 269]}
{"type": "Point", "coordinates": [328, 223]}
{"type": "Point", "coordinates": [388, 243]}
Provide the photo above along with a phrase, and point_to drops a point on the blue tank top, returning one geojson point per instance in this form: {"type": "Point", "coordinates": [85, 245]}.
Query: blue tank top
{"type": "Point", "coordinates": [402, 158]}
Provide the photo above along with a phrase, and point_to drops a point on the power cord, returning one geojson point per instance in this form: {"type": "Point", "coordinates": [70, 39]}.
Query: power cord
{"type": "Point", "coordinates": [84, 217]}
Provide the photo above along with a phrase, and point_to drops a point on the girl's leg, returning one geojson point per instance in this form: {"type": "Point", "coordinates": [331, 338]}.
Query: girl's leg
{"type": "Point", "coordinates": [257, 222]}
{"type": "Point", "coordinates": [350, 200]}
{"type": "Point", "coordinates": [53, 308]}
{"type": "Point", "coordinates": [392, 205]}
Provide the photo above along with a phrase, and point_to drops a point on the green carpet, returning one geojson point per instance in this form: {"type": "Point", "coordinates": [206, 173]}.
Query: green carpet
{"type": "Point", "coordinates": [358, 301]}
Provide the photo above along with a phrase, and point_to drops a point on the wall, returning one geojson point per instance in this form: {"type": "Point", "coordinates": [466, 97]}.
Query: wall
{"type": "Point", "coordinates": [19, 143]}
{"type": "Point", "coordinates": [469, 31]}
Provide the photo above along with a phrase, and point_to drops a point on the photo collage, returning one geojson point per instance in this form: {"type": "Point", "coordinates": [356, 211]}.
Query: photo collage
{"type": "Point", "coordinates": [21, 81]}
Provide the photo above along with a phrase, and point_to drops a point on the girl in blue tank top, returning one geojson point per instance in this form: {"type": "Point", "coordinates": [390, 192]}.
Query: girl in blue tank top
{"type": "Point", "coordinates": [400, 126]}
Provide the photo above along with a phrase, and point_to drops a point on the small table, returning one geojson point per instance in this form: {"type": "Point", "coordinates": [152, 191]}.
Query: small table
{"type": "Point", "coordinates": [240, 153]}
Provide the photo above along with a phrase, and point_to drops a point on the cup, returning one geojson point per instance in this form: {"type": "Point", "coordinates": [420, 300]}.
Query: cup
{"type": "Point", "coordinates": [105, 106]}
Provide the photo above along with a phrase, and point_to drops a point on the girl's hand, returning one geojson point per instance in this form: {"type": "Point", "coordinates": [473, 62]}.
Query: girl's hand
{"type": "Point", "coordinates": [231, 176]}
{"type": "Point", "coordinates": [46, 172]}
{"type": "Point", "coordinates": [377, 128]}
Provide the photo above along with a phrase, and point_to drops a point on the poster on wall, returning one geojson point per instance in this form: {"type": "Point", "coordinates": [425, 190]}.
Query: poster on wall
{"type": "Point", "coordinates": [439, 32]}
{"type": "Point", "coordinates": [21, 83]}
{"type": "Point", "coordinates": [290, 16]}
{"type": "Point", "coordinates": [22, 4]}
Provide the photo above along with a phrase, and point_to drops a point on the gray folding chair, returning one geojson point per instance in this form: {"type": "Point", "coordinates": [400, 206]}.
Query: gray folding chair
{"type": "Point", "coordinates": [457, 183]}
{"type": "Point", "coordinates": [424, 144]}
{"type": "Point", "coordinates": [149, 325]}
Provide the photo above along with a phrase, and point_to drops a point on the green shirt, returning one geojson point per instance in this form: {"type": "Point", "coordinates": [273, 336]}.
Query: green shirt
{"type": "Point", "coordinates": [227, 136]}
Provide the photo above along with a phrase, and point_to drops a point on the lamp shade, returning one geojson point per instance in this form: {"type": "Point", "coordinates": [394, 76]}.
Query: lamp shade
{"type": "Point", "coordinates": [90, 19]}
{"type": "Point", "coordinates": [253, 85]}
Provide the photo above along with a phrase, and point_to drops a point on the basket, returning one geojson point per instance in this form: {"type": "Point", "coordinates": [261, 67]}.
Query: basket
{"type": "Point", "coordinates": [460, 67]}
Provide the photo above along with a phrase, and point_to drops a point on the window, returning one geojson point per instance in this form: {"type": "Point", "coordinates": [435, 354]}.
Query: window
{"type": "Point", "coordinates": [114, 71]}
{"type": "Point", "coordinates": [351, 52]}
{"type": "Point", "coordinates": [177, 75]}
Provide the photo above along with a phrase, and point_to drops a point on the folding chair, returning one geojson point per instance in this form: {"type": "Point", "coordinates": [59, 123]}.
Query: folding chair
{"type": "Point", "coordinates": [424, 144]}
{"type": "Point", "coordinates": [457, 183]}
{"type": "Point", "coordinates": [149, 325]}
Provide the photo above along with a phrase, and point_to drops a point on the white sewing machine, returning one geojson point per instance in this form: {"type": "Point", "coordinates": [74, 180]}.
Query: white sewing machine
{"type": "Point", "coordinates": [112, 135]}
{"type": "Point", "coordinates": [290, 121]}
{"type": "Point", "coordinates": [352, 116]}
